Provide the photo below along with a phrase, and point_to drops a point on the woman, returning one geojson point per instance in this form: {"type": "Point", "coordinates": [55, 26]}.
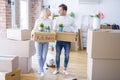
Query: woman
{"type": "Point", "coordinates": [42, 47]}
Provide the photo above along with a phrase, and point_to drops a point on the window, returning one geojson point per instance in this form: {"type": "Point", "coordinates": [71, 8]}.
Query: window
{"type": "Point", "coordinates": [24, 18]}
{"type": "Point", "coordinates": [13, 14]}
{"type": "Point", "coordinates": [89, 1]}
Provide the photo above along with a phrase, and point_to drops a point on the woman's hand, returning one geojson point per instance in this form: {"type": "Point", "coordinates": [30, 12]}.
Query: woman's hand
{"type": "Point", "coordinates": [32, 36]}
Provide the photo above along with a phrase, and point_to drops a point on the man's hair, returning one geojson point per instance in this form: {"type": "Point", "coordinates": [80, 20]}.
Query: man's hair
{"type": "Point", "coordinates": [63, 6]}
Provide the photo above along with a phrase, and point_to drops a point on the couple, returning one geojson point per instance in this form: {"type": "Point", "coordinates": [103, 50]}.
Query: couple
{"type": "Point", "coordinates": [42, 47]}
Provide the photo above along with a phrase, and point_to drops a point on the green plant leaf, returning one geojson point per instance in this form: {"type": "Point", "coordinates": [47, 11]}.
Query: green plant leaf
{"type": "Point", "coordinates": [60, 25]}
{"type": "Point", "coordinates": [72, 14]}
{"type": "Point", "coordinates": [41, 24]}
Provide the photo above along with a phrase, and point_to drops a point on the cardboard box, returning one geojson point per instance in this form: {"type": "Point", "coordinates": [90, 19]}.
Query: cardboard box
{"type": "Point", "coordinates": [105, 69]}
{"type": "Point", "coordinates": [25, 64]}
{"type": "Point", "coordinates": [44, 36]}
{"type": "Point", "coordinates": [104, 44]}
{"type": "Point", "coordinates": [74, 46]}
{"type": "Point", "coordinates": [15, 75]}
{"type": "Point", "coordinates": [19, 34]}
{"type": "Point", "coordinates": [105, 27]}
{"type": "Point", "coordinates": [18, 48]}
{"type": "Point", "coordinates": [80, 39]}
{"type": "Point", "coordinates": [8, 63]}
{"type": "Point", "coordinates": [66, 36]}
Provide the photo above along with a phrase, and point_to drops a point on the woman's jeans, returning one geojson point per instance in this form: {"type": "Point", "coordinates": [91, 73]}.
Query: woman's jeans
{"type": "Point", "coordinates": [59, 46]}
{"type": "Point", "coordinates": [41, 50]}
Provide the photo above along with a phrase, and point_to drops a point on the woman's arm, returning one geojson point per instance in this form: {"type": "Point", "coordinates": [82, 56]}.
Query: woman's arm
{"type": "Point", "coordinates": [34, 28]}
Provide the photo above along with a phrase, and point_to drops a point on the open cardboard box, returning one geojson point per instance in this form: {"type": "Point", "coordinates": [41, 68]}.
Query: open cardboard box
{"type": "Point", "coordinates": [44, 36]}
{"type": "Point", "coordinates": [66, 36]}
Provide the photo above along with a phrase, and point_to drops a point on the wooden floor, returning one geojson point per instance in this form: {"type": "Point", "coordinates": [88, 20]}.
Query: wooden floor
{"type": "Point", "coordinates": [77, 68]}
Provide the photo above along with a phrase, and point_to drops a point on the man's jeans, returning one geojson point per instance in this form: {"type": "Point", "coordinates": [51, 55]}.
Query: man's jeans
{"type": "Point", "coordinates": [59, 46]}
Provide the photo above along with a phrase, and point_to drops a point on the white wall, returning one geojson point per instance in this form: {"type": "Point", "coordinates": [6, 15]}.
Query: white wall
{"type": "Point", "coordinates": [110, 8]}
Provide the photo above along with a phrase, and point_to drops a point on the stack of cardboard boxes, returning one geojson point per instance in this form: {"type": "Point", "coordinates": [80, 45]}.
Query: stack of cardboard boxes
{"type": "Point", "coordinates": [19, 44]}
{"type": "Point", "coordinates": [103, 48]}
{"type": "Point", "coordinates": [9, 68]}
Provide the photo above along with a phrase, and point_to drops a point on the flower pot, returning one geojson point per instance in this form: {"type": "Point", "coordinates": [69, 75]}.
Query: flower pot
{"type": "Point", "coordinates": [60, 29]}
{"type": "Point", "coordinates": [47, 30]}
{"type": "Point", "coordinates": [41, 29]}
{"type": "Point", "coordinates": [96, 23]}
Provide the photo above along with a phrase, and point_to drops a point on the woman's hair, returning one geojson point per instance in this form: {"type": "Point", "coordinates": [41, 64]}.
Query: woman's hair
{"type": "Point", "coordinates": [44, 13]}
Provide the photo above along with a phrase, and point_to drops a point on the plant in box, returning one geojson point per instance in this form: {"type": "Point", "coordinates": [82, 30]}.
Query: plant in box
{"type": "Point", "coordinates": [41, 26]}
{"type": "Point", "coordinates": [60, 29]}
{"type": "Point", "coordinates": [47, 29]}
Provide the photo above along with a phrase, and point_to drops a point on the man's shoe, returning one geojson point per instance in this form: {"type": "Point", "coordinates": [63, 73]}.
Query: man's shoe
{"type": "Point", "coordinates": [65, 72]}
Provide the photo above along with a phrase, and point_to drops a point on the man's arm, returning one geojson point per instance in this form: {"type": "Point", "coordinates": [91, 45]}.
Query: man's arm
{"type": "Point", "coordinates": [55, 25]}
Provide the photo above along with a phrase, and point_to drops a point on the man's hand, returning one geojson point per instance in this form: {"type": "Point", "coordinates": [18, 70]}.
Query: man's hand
{"type": "Point", "coordinates": [55, 30]}
{"type": "Point", "coordinates": [76, 35]}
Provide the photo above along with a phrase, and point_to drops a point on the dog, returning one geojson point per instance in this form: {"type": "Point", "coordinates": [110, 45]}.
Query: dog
{"type": "Point", "coordinates": [50, 60]}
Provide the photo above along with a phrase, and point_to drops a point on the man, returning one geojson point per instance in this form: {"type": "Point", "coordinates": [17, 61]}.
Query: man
{"type": "Point", "coordinates": [69, 26]}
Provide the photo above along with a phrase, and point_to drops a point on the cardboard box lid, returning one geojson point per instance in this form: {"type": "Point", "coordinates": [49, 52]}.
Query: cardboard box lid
{"type": "Point", "coordinates": [8, 57]}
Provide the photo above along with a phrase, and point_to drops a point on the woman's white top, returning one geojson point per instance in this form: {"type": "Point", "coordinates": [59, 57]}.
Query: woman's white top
{"type": "Point", "coordinates": [46, 22]}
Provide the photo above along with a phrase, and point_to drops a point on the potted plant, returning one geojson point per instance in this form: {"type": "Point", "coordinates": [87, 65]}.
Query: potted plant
{"type": "Point", "coordinates": [41, 25]}
{"type": "Point", "coordinates": [72, 14]}
{"type": "Point", "coordinates": [48, 29]}
{"type": "Point", "coordinates": [60, 27]}
{"type": "Point", "coordinates": [96, 19]}
{"type": "Point", "coordinates": [98, 15]}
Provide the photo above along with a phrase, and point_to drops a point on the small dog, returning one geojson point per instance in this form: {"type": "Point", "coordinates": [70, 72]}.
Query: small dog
{"type": "Point", "coordinates": [50, 60]}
